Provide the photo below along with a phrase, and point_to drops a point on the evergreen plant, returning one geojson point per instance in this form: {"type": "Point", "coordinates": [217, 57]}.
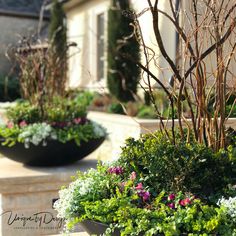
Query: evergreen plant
{"type": "Point", "coordinates": [58, 41]}
{"type": "Point", "coordinates": [123, 74]}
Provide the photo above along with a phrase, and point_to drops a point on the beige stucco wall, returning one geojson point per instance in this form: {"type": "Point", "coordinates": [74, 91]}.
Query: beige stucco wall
{"type": "Point", "coordinates": [11, 30]}
{"type": "Point", "coordinates": [82, 30]}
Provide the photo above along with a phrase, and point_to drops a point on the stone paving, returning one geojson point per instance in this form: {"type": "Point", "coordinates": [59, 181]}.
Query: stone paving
{"type": "Point", "coordinates": [29, 192]}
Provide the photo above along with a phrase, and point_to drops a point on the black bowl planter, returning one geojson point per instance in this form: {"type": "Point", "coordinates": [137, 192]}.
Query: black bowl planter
{"type": "Point", "coordinates": [96, 228]}
{"type": "Point", "coordinates": [54, 153]}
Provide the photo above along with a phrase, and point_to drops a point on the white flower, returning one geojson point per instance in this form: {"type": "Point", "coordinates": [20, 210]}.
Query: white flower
{"type": "Point", "coordinates": [99, 131]}
{"type": "Point", "coordinates": [229, 205]}
{"type": "Point", "coordinates": [91, 184]}
{"type": "Point", "coordinates": [37, 133]}
{"type": "Point", "coordinates": [67, 202]}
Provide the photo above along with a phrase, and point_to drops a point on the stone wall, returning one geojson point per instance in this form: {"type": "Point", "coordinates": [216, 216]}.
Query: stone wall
{"type": "Point", "coordinates": [121, 127]}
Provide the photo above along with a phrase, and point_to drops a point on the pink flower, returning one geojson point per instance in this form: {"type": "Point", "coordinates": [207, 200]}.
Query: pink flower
{"type": "Point", "coordinates": [171, 197]}
{"type": "Point", "coordinates": [133, 176]}
{"type": "Point", "coordinates": [171, 205]}
{"type": "Point", "coordinates": [23, 123]}
{"type": "Point", "coordinates": [184, 202]}
{"type": "Point", "coordinates": [139, 186]}
{"type": "Point", "coordinates": [10, 125]}
{"type": "Point", "coordinates": [77, 121]}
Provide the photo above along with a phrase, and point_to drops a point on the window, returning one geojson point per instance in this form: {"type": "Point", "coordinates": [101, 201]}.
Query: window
{"type": "Point", "coordinates": [100, 46]}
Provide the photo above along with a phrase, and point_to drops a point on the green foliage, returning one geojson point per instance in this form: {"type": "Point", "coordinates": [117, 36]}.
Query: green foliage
{"type": "Point", "coordinates": [9, 136]}
{"type": "Point", "coordinates": [120, 211]}
{"type": "Point", "coordinates": [63, 120]}
{"type": "Point", "coordinates": [9, 89]}
{"type": "Point", "coordinates": [139, 193]}
{"type": "Point", "coordinates": [79, 133]}
{"type": "Point", "coordinates": [40, 133]}
{"type": "Point", "coordinates": [23, 111]}
{"type": "Point", "coordinates": [231, 110]}
{"type": "Point", "coordinates": [116, 108]}
{"type": "Point", "coordinates": [196, 219]}
{"type": "Point", "coordinates": [84, 98]}
{"type": "Point", "coordinates": [147, 112]}
{"type": "Point", "coordinates": [181, 167]}
{"type": "Point", "coordinates": [87, 187]}
{"type": "Point", "coordinates": [65, 110]}
{"type": "Point", "coordinates": [230, 106]}
{"type": "Point", "coordinates": [59, 110]}
{"type": "Point", "coordinates": [123, 74]}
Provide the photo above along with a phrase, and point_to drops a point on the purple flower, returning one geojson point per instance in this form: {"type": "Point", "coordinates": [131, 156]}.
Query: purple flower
{"type": "Point", "coordinates": [116, 170]}
{"type": "Point", "coordinates": [62, 124]}
{"type": "Point", "coordinates": [144, 194]}
{"type": "Point", "coordinates": [171, 205]}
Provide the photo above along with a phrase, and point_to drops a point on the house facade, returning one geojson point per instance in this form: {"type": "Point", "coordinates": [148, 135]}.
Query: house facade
{"type": "Point", "coordinates": [18, 19]}
{"type": "Point", "coordinates": [87, 22]}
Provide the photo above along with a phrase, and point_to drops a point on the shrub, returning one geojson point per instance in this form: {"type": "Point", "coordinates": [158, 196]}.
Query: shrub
{"type": "Point", "coordinates": [181, 167]}
{"type": "Point", "coordinates": [116, 108]}
{"type": "Point", "coordinates": [147, 112]}
{"type": "Point", "coordinates": [123, 74]}
{"type": "Point", "coordinates": [230, 106]}
{"type": "Point", "coordinates": [84, 97]}
{"type": "Point", "coordinates": [59, 110]}
{"type": "Point", "coordinates": [58, 38]}
{"type": "Point", "coordinates": [9, 89]}
{"type": "Point", "coordinates": [123, 200]}
{"type": "Point", "coordinates": [23, 111]}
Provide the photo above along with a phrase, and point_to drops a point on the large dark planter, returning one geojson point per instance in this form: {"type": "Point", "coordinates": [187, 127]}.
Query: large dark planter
{"type": "Point", "coordinates": [54, 153]}
{"type": "Point", "coordinates": [96, 228]}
